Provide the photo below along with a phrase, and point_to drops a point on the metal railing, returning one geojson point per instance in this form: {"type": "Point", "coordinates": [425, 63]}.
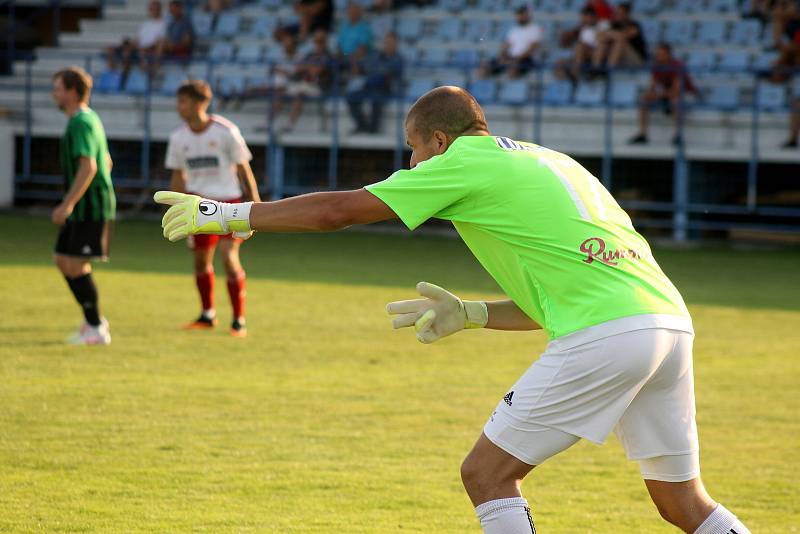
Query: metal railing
{"type": "Point", "coordinates": [681, 207]}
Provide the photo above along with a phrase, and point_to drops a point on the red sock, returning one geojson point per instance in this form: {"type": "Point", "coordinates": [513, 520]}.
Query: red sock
{"type": "Point", "coordinates": [236, 292]}
{"type": "Point", "coordinates": [205, 285]}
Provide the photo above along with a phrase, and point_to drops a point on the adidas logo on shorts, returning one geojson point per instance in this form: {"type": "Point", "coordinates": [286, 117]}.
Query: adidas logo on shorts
{"type": "Point", "coordinates": [508, 397]}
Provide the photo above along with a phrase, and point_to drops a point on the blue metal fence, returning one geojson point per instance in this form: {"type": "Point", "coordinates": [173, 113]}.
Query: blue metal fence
{"type": "Point", "coordinates": [680, 207]}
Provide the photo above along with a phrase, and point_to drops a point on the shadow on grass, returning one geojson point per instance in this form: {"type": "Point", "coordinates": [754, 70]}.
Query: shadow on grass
{"type": "Point", "coordinates": [705, 275]}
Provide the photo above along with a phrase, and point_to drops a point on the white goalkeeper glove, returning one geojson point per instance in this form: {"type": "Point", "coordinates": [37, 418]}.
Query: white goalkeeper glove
{"type": "Point", "coordinates": [191, 214]}
{"type": "Point", "coordinates": [439, 314]}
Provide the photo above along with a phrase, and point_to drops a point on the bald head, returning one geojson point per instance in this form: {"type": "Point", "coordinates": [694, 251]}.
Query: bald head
{"type": "Point", "coordinates": [451, 110]}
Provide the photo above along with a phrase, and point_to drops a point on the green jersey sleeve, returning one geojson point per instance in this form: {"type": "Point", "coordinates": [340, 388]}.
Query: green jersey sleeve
{"type": "Point", "coordinates": [83, 142]}
{"type": "Point", "coordinates": [434, 188]}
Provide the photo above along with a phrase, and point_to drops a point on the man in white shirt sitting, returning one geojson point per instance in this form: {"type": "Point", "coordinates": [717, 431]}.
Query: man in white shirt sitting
{"type": "Point", "coordinates": [143, 47]}
{"type": "Point", "coordinates": [519, 49]}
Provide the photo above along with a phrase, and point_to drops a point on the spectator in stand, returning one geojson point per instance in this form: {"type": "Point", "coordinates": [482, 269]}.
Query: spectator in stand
{"type": "Point", "coordinates": [584, 39]}
{"type": "Point", "coordinates": [355, 35]}
{"type": "Point", "coordinates": [604, 11]}
{"type": "Point", "coordinates": [131, 51]}
{"type": "Point", "coordinates": [311, 78]}
{"type": "Point", "coordinates": [519, 49]}
{"type": "Point", "coordinates": [314, 15]}
{"type": "Point", "coordinates": [377, 80]}
{"type": "Point", "coordinates": [785, 22]}
{"type": "Point", "coordinates": [670, 85]}
{"type": "Point", "coordinates": [794, 124]}
{"type": "Point", "coordinates": [623, 43]}
{"type": "Point", "coordinates": [178, 42]}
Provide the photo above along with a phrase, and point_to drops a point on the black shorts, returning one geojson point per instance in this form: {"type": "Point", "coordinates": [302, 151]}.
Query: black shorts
{"type": "Point", "coordinates": [89, 240]}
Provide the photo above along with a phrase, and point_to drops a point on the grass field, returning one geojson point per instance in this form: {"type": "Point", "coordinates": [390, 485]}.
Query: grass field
{"type": "Point", "coordinates": [325, 420]}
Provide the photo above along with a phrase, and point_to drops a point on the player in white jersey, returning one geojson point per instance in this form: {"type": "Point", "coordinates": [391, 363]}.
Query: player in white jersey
{"type": "Point", "coordinates": [209, 157]}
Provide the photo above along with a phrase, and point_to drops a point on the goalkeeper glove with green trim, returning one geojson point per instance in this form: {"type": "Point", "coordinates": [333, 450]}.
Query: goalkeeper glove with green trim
{"type": "Point", "coordinates": [191, 214]}
{"type": "Point", "coordinates": [439, 314]}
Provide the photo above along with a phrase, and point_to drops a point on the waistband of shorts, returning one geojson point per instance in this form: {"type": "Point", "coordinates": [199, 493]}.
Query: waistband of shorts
{"type": "Point", "coordinates": [682, 323]}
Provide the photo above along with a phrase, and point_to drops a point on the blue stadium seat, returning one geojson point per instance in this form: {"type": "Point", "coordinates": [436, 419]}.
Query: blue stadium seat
{"type": "Point", "coordinates": [110, 81]}
{"type": "Point", "coordinates": [172, 80]}
{"type": "Point", "coordinates": [651, 29]}
{"type": "Point", "coordinates": [501, 29]}
{"type": "Point", "coordinates": [230, 85]}
{"type": "Point", "coordinates": [624, 94]}
{"type": "Point", "coordinates": [746, 32]}
{"type": "Point", "coordinates": [137, 82]}
{"type": "Point", "coordinates": [466, 58]}
{"type": "Point", "coordinates": [437, 56]}
{"type": "Point", "coordinates": [557, 93]}
{"type": "Point", "coordinates": [765, 60]}
{"type": "Point", "coordinates": [484, 90]}
{"type": "Point", "coordinates": [590, 94]}
{"type": "Point", "coordinates": [478, 30]}
{"type": "Point", "coordinates": [409, 29]}
{"type": "Point", "coordinates": [688, 6]}
{"type": "Point", "coordinates": [724, 6]}
{"type": "Point", "coordinates": [419, 87]}
{"type": "Point", "coordinates": [701, 60]}
{"type": "Point", "coordinates": [552, 6]}
{"type": "Point", "coordinates": [228, 24]}
{"type": "Point", "coordinates": [724, 98]}
{"type": "Point", "coordinates": [647, 7]}
{"type": "Point", "coordinates": [271, 4]}
{"type": "Point", "coordinates": [771, 97]}
{"type": "Point", "coordinates": [454, 5]}
{"type": "Point", "coordinates": [449, 29]}
{"type": "Point", "coordinates": [264, 26]}
{"type": "Point", "coordinates": [221, 51]}
{"type": "Point", "coordinates": [411, 55]}
{"type": "Point", "coordinates": [711, 32]}
{"type": "Point", "coordinates": [201, 22]}
{"type": "Point", "coordinates": [381, 25]}
{"type": "Point", "coordinates": [679, 32]}
{"type": "Point", "coordinates": [734, 61]}
{"type": "Point", "coordinates": [514, 93]}
{"type": "Point", "coordinates": [250, 52]}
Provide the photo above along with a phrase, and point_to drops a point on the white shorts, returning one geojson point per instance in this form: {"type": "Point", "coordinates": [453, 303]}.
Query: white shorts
{"type": "Point", "coordinates": [637, 383]}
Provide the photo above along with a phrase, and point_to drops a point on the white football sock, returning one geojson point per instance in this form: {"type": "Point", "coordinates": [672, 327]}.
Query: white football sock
{"type": "Point", "coordinates": [722, 521]}
{"type": "Point", "coordinates": [506, 516]}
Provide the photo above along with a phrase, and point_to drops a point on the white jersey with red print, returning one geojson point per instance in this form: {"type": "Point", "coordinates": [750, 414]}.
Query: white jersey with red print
{"type": "Point", "coordinates": [209, 158]}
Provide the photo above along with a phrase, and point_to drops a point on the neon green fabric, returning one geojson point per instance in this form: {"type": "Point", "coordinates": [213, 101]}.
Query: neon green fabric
{"type": "Point", "coordinates": [548, 232]}
{"type": "Point", "coordinates": [85, 137]}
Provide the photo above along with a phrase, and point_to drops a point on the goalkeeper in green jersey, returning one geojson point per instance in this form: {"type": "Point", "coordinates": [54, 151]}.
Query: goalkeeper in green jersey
{"type": "Point", "coordinates": [568, 258]}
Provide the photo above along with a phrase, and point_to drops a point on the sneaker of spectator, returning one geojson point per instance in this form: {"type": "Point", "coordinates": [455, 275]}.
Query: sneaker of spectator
{"type": "Point", "coordinates": [670, 88]}
{"type": "Point", "coordinates": [354, 37]}
{"type": "Point", "coordinates": [623, 44]}
{"type": "Point", "coordinates": [378, 79]}
{"type": "Point", "coordinates": [178, 41]}
{"type": "Point", "coordinates": [311, 78]}
{"type": "Point", "coordinates": [314, 15]}
{"type": "Point", "coordinates": [520, 47]}
{"type": "Point", "coordinates": [144, 46]}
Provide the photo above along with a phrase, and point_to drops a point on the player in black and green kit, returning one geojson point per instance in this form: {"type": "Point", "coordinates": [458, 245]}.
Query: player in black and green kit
{"type": "Point", "coordinates": [87, 212]}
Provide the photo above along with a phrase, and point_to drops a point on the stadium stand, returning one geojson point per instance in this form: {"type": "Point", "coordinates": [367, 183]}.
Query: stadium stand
{"type": "Point", "coordinates": [713, 38]}
{"type": "Point", "coordinates": [444, 44]}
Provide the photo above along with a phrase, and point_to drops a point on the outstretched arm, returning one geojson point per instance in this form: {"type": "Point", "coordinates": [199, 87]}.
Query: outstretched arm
{"type": "Point", "coordinates": [315, 212]}
{"type": "Point", "coordinates": [319, 212]}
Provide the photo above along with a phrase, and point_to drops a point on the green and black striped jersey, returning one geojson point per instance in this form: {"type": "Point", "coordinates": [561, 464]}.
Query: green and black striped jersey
{"type": "Point", "coordinates": [85, 137]}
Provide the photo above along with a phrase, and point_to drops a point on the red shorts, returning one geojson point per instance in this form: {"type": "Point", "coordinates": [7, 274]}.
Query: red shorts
{"type": "Point", "coordinates": [209, 241]}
